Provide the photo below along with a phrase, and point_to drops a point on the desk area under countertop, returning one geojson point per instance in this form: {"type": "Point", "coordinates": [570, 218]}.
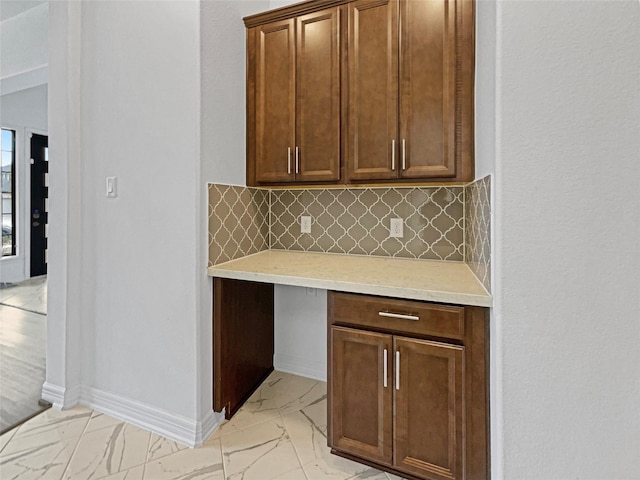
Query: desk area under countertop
{"type": "Point", "coordinates": [429, 280]}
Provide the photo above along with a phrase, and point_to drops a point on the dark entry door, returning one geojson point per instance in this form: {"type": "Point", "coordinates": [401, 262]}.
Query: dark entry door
{"type": "Point", "coordinates": [39, 194]}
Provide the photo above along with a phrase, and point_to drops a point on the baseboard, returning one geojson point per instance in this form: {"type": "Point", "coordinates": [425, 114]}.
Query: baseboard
{"type": "Point", "coordinates": [61, 397]}
{"type": "Point", "coordinates": [207, 425]}
{"type": "Point", "coordinates": [174, 427]}
{"type": "Point", "coordinates": [300, 366]}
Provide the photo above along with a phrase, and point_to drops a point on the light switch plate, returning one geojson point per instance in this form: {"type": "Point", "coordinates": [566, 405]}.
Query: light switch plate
{"type": "Point", "coordinates": [112, 187]}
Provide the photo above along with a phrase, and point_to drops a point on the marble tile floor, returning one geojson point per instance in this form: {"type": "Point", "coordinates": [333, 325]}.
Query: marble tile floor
{"type": "Point", "coordinates": [280, 433]}
{"type": "Point", "coordinates": [30, 295]}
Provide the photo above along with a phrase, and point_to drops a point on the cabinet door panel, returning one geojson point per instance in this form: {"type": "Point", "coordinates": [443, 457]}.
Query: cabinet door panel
{"type": "Point", "coordinates": [360, 404]}
{"type": "Point", "coordinates": [428, 416]}
{"type": "Point", "coordinates": [275, 101]}
{"type": "Point", "coordinates": [318, 96]}
{"type": "Point", "coordinates": [373, 89]}
{"type": "Point", "coordinates": [427, 88]}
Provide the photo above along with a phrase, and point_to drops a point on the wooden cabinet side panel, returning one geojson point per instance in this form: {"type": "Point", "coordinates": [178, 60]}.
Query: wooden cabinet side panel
{"type": "Point", "coordinates": [465, 65]}
{"type": "Point", "coordinates": [477, 394]}
{"type": "Point", "coordinates": [318, 96]}
{"type": "Point", "coordinates": [275, 101]}
{"type": "Point", "coordinates": [243, 343]}
{"type": "Point", "coordinates": [429, 409]}
{"type": "Point", "coordinates": [360, 414]}
{"type": "Point", "coordinates": [373, 90]}
{"type": "Point", "coordinates": [251, 107]}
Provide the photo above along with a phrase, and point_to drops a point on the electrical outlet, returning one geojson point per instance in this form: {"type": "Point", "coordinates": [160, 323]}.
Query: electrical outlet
{"type": "Point", "coordinates": [305, 224]}
{"type": "Point", "coordinates": [396, 228]}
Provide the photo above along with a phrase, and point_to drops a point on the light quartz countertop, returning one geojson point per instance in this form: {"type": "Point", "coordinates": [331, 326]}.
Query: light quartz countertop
{"type": "Point", "coordinates": [430, 280]}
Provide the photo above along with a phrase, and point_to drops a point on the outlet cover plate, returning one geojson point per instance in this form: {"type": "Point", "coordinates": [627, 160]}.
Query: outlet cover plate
{"type": "Point", "coordinates": [396, 228]}
{"type": "Point", "coordinates": [305, 224]}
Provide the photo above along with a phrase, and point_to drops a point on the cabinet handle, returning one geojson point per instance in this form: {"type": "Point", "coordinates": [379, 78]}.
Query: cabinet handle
{"type": "Point", "coordinates": [297, 162]}
{"type": "Point", "coordinates": [404, 154]}
{"type": "Point", "coordinates": [397, 369]}
{"type": "Point", "coordinates": [393, 155]}
{"type": "Point", "coordinates": [399, 315]}
{"type": "Point", "coordinates": [384, 368]}
{"type": "Point", "coordinates": [288, 160]}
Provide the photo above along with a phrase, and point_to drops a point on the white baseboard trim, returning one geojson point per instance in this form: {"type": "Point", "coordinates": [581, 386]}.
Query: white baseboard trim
{"type": "Point", "coordinates": [60, 397]}
{"type": "Point", "coordinates": [174, 427]}
{"type": "Point", "coordinates": [300, 366]}
{"type": "Point", "coordinates": [53, 394]}
{"type": "Point", "coordinates": [207, 425]}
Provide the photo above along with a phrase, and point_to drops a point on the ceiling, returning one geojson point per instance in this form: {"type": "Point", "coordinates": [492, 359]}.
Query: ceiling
{"type": "Point", "coordinates": [11, 8]}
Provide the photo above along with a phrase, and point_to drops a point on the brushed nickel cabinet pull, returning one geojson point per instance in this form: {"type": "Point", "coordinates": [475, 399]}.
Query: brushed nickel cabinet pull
{"type": "Point", "coordinates": [288, 160]}
{"type": "Point", "coordinates": [297, 160]}
{"type": "Point", "coordinates": [397, 369]}
{"type": "Point", "coordinates": [401, 316]}
{"type": "Point", "coordinates": [384, 368]}
{"type": "Point", "coordinates": [393, 155]}
{"type": "Point", "coordinates": [404, 154]}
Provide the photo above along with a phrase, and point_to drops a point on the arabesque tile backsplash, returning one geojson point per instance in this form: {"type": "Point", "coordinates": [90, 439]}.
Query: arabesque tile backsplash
{"type": "Point", "coordinates": [238, 222]}
{"type": "Point", "coordinates": [440, 223]}
{"type": "Point", "coordinates": [478, 229]}
{"type": "Point", "coordinates": [356, 221]}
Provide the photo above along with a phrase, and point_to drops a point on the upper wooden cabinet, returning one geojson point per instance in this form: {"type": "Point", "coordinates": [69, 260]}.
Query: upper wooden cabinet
{"type": "Point", "coordinates": [361, 91]}
{"type": "Point", "coordinates": [294, 100]}
{"type": "Point", "coordinates": [410, 90]}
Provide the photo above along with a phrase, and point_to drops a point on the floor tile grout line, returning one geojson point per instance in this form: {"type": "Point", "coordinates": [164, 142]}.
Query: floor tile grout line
{"type": "Point", "coordinates": [295, 449]}
{"type": "Point", "coordinates": [75, 448]}
{"type": "Point", "coordinates": [224, 467]}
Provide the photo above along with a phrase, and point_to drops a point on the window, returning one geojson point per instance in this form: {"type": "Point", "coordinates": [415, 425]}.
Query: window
{"type": "Point", "coordinates": [8, 185]}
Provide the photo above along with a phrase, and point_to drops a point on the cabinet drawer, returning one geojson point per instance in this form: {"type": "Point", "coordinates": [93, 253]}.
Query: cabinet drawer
{"type": "Point", "coordinates": [397, 315]}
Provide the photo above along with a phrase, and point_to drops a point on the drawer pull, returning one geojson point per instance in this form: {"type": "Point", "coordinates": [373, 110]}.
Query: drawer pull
{"type": "Point", "coordinates": [397, 369]}
{"type": "Point", "coordinates": [384, 368]}
{"type": "Point", "coordinates": [401, 316]}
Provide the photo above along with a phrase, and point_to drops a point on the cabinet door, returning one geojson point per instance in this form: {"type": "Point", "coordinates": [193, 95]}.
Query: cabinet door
{"type": "Point", "coordinates": [373, 90]}
{"type": "Point", "coordinates": [275, 101]}
{"type": "Point", "coordinates": [427, 88]}
{"type": "Point", "coordinates": [428, 420]}
{"type": "Point", "coordinates": [317, 155]}
{"type": "Point", "coordinates": [360, 394]}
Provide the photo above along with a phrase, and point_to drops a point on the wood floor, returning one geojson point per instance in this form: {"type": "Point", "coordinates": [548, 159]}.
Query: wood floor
{"type": "Point", "coordinates": [22, 358]}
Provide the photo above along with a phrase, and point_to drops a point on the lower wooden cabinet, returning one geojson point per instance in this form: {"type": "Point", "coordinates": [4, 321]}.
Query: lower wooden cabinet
{"type": "Point", "coordinates": [414, 405]}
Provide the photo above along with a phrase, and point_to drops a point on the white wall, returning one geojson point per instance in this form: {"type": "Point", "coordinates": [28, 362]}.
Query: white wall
{"type": "Point", "coordinates": [23, 49]}
{"type": "Point", "coordinates": [567, 220]}
{"type": "Point", "coordinates": [23, 107]}
{"type": "Point", "coordinates": [27, 108]}
{"type": "Point", "coordinates": [301, 331]}
{"type": "Point", "coordinates": [128, 293]}
{"type": "Point", "coordinates": [24, 111]}
{"type": "Point", "coordinates": [223, 145]}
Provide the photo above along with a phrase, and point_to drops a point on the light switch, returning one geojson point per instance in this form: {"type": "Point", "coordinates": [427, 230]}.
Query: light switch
{"type": "Point", "coordinates": [112, 187]}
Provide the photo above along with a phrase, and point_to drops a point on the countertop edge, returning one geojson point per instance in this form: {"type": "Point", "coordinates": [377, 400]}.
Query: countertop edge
{"type": "Point", "coordinates": [351, 287]}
